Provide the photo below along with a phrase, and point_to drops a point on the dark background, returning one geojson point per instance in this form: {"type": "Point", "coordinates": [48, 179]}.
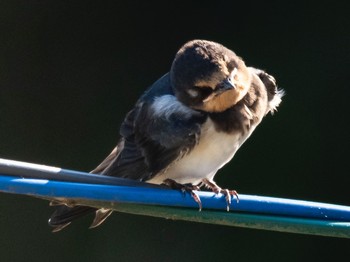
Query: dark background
{"type": "Point", "coordinates": [70, 70]}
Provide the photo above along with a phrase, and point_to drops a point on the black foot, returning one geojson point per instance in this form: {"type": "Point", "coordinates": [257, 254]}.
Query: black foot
{"type": "Point", "coordinates": [185, 188]}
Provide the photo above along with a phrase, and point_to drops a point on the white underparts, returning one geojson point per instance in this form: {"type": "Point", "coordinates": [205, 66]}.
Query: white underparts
{"type": "Point", "coordinates": [212, 152]}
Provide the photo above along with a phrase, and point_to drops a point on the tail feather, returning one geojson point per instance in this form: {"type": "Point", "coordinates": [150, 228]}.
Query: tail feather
{"type": "Point", "coordinates": [64, 215]}
{"type": "Point", "coordinates": [100, 216]}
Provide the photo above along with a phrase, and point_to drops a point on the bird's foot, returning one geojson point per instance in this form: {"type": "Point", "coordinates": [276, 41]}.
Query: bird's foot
{"type": "Point", "coordinates": [226, 192]}
{"type": "Point", "coordinates": [185, 188]}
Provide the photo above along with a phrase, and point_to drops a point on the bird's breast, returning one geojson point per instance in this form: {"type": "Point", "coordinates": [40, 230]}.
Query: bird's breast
{"type": "Point", "coordinates": [213, 151]}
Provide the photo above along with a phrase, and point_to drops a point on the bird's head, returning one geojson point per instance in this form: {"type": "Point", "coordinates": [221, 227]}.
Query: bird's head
{"type": "Point", "coordinates": [208, 76]}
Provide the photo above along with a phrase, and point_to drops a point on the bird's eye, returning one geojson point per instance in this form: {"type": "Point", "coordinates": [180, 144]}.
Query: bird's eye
{"type": "Point", "coordinates": [203, 91]}
{"type": "Point", "coordinates": [199, 92]}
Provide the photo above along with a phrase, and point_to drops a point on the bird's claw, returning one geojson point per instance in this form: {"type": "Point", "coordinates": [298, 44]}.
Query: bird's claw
{"type": "Point", "coordinates": [226, 192]}
{"type": "Point", "coordinates": [234, 194]}
{"type": "Point", "coordinates": [228, 196]}
{"type": "Point", "coordinates": [185, 188]}
{"type": "Point", "coordinates": [188, 188]}
{"type": "Point", "coordinates": [197, 199]}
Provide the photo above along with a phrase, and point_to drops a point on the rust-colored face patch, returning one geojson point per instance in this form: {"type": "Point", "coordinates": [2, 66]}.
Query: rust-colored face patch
{"type": "Point", "coordinates": [219, 102]}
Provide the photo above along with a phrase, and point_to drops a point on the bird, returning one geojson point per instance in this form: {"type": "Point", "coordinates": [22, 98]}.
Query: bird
{"type": "Point", "coordinates": [187, 125]}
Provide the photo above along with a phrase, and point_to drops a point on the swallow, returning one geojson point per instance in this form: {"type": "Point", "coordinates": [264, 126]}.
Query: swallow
{"type": "Point", "coordinates": [186, 125]}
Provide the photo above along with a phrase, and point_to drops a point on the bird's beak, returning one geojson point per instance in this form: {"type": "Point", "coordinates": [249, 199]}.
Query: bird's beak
{"type": "Point", "coordinates": [222, 87]}
{"type": "Point", "coordinates": [225, 85]}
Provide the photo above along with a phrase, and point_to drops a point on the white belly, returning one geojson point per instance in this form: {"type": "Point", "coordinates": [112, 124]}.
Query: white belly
{"type": "Point", "coordinates": [213, 151]}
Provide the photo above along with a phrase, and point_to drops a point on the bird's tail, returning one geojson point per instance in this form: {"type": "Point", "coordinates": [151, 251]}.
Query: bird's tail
{"type": "Point", "coordinates": [64, 215]}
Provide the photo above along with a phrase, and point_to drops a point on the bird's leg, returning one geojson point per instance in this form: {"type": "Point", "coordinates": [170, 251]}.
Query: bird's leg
{"type": "Point", "coordinates": [226, 192]}
{"type": "Point", "coordinates": [184, 188]}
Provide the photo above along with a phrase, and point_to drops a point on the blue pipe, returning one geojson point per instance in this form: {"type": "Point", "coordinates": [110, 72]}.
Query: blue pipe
{"type": "Point", "coordinates": [163, 197]}
{"type": "Point", "coordinates": [123, 195]}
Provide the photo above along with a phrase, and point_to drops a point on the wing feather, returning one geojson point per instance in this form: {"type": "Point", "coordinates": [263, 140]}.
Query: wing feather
{"type": "Point", "coordinates": [154, 136]}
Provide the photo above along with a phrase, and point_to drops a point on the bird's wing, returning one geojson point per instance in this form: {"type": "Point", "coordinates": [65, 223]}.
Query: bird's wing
{"type": "Point", "coordinates": [274, 94]}
{"type": "Point", "coordinates": [268, 80]}
{"type": "Point", "coordinates": [157, 132]}
{"type": "Point", "coordinates": [107, 161]}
